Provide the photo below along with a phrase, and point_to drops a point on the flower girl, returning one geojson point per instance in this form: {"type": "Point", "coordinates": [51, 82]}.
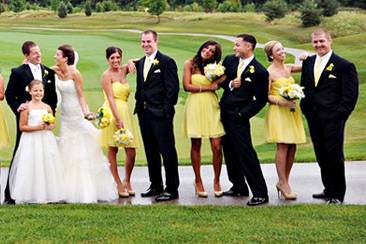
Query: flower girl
{"type": "Point", "coordinates": [37, 173]}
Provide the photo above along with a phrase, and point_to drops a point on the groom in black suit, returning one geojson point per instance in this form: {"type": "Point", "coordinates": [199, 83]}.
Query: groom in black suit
{"type": "Point", "coordinates": [156, 94]}
{"type": "Point", "coordinates": [245, 94]}
{"type": "Point", "coordinates": [331, 91]}
{"type": "Point", "coordinates": [17, 96]}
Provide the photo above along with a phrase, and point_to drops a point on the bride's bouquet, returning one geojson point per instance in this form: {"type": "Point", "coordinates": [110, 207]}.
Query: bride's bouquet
{"type": "Point", "coordinates": [48, 119]}
{"type": "Point", "coordinates": [292, 92]}
{"type": "Point", "coordinates": [103, 118]}
{"type": "Point", "coordinates": [122, 137]}
{"type": "Point", "coordinates": [213, 71]}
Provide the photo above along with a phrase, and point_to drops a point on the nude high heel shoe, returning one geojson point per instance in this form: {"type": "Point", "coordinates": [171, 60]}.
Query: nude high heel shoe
{"type": "Point", "coordinates": [286, 195]}
{"type": "Point", "coordinates": [202, 194]}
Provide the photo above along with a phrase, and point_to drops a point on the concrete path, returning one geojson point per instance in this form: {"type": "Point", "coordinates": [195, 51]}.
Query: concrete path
{"type": "Point", "coordinates": [305, 180]}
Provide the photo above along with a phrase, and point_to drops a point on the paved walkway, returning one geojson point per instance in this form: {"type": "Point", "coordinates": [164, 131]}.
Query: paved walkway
{"type": "Point", "coordinates": [305, 180]}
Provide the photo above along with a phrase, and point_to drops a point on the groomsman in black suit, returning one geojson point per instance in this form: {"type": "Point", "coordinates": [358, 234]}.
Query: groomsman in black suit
{"type": "Point", "coordinates": [245, 94]}
{"type": "Point", "coordinates": [331, 91]}
{"type": "Point", "coordinates": [156, 94]}
{"type": "Point", "coordinates": [17, 96]}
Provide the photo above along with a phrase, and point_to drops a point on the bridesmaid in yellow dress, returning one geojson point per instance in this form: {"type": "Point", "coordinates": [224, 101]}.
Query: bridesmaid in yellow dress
{"type": "Point", "coordinates": [116, 91]}
{"type": "Point", "coordinates": [4, 134]}
{"type": "Point", "coordinates": [282, 126]}
{"type": "Point", "coordinates": [202, 113]}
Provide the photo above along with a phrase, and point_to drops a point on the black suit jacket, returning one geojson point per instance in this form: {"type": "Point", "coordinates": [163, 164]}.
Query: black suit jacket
{"type": "Point", "coordinates": [159, 93]}
{"type": "Point", "coordinates": [247, 100]}
{"type": "Point", "coordinates": [20, 77]}
{"type": "Point", "coordinates": [336, 94]}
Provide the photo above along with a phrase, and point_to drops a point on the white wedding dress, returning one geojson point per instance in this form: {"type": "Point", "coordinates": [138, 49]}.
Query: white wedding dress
{"type": "Point", "coordinates": [88, 178]}
{"type": "Point", "coordinates": [36, 175]}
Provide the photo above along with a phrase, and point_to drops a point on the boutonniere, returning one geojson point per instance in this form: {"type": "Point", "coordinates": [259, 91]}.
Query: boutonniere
{"type": "Point", "coordinates": [251, 69]}
{"type": "Point", "coordinates": [155, 62]}
{"type": "Point", "coordinates": [45, 73]}
{"type": "Point", "coordinates": [330, 67]}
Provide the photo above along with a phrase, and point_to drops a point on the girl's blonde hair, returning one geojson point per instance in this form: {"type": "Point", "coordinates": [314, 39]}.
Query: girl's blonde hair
{"type": "Point", "coordinates": [268, 47]}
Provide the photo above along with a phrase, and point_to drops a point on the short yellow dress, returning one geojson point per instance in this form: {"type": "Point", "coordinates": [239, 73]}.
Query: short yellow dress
{"type": "Point", "coordinates": [121, 91]}
{"type": "Point", "coordinates": [202, 112]}
{"type": "Point", "coordinates": [4, 133]}
{"type": "Point", "coordinates": [281, 124]}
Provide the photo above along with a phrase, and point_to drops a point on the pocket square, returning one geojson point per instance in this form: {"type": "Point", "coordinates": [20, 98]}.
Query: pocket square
{"type": "Point", "coordinates": [157, 71]}
{"type": "Point", "coordinates": [248, 79]}
{"type": "Point", "coordinates": [332, 76]}
{"type": "Point", "coordinates": [49, 81]}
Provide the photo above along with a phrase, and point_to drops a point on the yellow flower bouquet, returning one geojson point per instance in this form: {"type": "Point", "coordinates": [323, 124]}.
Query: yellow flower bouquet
{"type": "Point", "coordinates": [103, 118]}
{"type": "Point", "coordinates": [214, 71]}
{"type": "Point", "coordinates": [48, 119]}
{"type": "Point", "coordinates": [122, 137]}
{"type": "Point", "coordinates": [292, 92]}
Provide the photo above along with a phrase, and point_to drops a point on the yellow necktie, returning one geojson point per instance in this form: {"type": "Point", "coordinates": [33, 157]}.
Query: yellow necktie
{"type": "Point", "coordinates": [317, 71]}
{"type": "Point", "coordinates": [147, 65]}
{"type": "Point", "coordinates": [240, 68]}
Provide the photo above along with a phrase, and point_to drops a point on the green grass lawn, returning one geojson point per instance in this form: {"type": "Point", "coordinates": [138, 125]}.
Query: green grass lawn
{"type": "Point", "coordinates": [178, 224]}
{"type": "Point", "coordinates": [91, 35]}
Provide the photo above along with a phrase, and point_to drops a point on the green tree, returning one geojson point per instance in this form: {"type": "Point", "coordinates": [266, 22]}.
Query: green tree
{"type": "Point", "coordinates": [274, 9]}
{"type": "Point", "coordinates": [99, 7]}
{"type": "Point", "coordinates": [62, 10]}
{"type": "Point", "coordinates": [55, 4]}
{"type": "Point", "coordinates": [69, 7]}
{"type": "Point", "coordinates": [328, 7]}
{"type": "Point", "coordinates": [228, 6]}
{"type": "Point", "coordinates": [309, 14]}
{"type": "Point", "coordinates": [156, 7]}
{"type": "Point", "coordinates": [88, 8]}
{"type": "Point", "coordinates": [208, 5]}
{"type": "Point", "coordinates": [17, 5]}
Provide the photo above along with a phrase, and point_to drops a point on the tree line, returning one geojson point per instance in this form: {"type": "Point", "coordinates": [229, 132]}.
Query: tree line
{"type": "Point", "coordinates": [311, 11]}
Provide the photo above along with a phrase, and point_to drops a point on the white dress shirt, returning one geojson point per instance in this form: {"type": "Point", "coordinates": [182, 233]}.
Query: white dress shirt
{"type": "Point", "coordinates": [246, 62]}
{"type": "Point", "coordinates": [324, 60]}
{"type": "Point", "coordinates": [36, 71]}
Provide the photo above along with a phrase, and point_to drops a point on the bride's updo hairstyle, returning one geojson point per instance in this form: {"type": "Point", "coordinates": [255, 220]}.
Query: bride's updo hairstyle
{"type": "Point", "coordinates": [268, 47]}
{"type": "Point", "coordinates": [111, 50]}
{"type": "Point", "coordinates": [67, 52]}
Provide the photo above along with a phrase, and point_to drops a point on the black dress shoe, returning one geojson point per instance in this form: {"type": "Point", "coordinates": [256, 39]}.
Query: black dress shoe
{"type": "Point", "coordinates": [9, 201]}
{"type": "Point", "coordinates": [166, 196]}
{"type": "Point", "coordinates": [255, 201]}
{"type": "Point", "coordinates": [335, 201]}
{"type": "Point", "coordinates": [152, 191]}
{"type": "Point", "coordinates": [234, 193]}
{"type": "Point", "coordinates": [321, 195]}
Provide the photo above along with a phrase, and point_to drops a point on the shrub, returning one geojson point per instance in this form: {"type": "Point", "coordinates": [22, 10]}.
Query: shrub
{"type": "Point", "coordinates": [62, 10]}
{"type": "Point", "coordinates": [208, 5]}
{"type": "Point", "coordinates": [228, 6]}
{"type": "Point", "coordinates": [309, 14]}
{"type": "Point", "coordinates": [69, 7]}
{"type": "Point", "coordinates": [88, 8]}
{"type": "Point", "coordinates": [99, 7]}
{"type": "Point", "coordinates": [274, 9]}
{"type": "Point", "coordinates": [109, 6]}
{"type": "Point", "coordinates": [328, 7]}
{"type": "Point", "coordinates": [17, 5]}
{"type": "Point", "coordinates": [196, 7]}
{"type": "Point", "coordinates": [249, 7]}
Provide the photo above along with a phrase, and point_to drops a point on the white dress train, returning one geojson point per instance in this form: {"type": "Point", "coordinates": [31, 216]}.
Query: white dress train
{"type": "Point", "coordinates": [88, 178]}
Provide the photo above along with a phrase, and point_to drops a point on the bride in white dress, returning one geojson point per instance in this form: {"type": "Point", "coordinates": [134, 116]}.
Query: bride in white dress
{"type": "Point", "coordinates": [88, 178]}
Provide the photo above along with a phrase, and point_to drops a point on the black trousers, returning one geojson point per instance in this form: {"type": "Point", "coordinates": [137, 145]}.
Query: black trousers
{"type": "Point", "coordinates": [240, 157]}
{"type": "Point", "coordinates": [7, 196]}
{"type": "Point", "coordinates": [328, 140]}
{"type": "Point", "coordinates": [158, 137]}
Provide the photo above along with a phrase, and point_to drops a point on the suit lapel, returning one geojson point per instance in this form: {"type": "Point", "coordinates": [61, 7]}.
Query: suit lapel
{"type": "Point", "coordinates": [311, 71]}
{"type": "Point", "coordinates": [141, 70]}
{"type": "Point", "coordinates": [325, 71]}
{"type": "Point", "coordinates": [28, 72]}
